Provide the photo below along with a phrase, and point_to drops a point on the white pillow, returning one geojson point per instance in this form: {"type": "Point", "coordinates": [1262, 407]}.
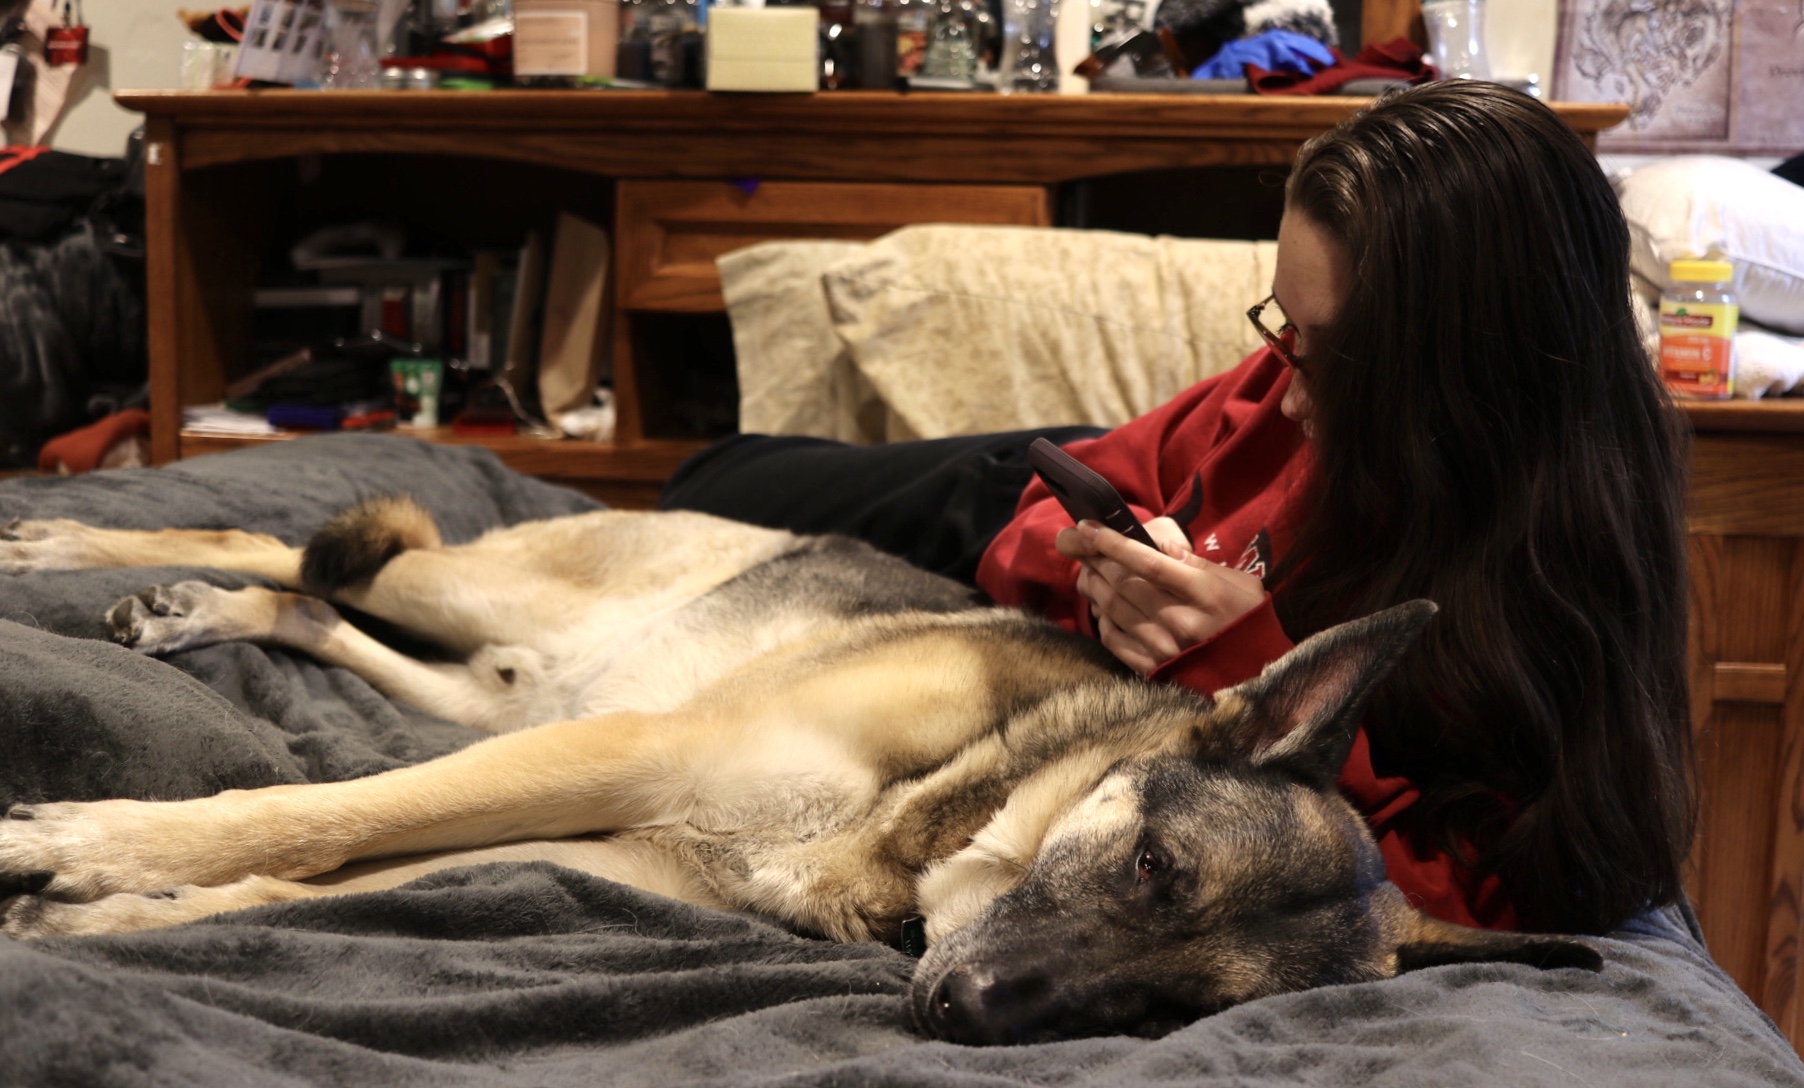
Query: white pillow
{"type": "Point", "coordinates": [1709, 205]}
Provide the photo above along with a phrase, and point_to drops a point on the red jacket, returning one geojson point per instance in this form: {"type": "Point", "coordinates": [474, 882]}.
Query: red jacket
{"type": "Point", "coordinates": [1224, 462]}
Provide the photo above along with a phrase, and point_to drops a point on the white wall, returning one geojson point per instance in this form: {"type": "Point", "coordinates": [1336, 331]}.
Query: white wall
{"type": "Point", "coordinates": [1519, 36]}
{"type": "Point", "coordinates": [136, 45]}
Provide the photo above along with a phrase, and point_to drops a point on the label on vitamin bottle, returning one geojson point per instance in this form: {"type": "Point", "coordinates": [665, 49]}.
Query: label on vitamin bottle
{"type": "Point", "coordinates": [1697, 343]}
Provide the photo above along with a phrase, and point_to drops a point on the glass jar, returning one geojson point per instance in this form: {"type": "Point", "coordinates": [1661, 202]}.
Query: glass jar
{"type": "Point", "coordinates": [951, 44]}
{"type": "Point", "coordinates": [1456, 37]}
{"type": "Point", "coordinates": [1030, 61]}
{"type": "Point", "coordinates": [352, 58]}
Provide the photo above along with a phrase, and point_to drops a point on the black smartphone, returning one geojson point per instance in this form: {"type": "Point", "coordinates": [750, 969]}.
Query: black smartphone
{"type": "Point", "coordinates": [1083, 493]}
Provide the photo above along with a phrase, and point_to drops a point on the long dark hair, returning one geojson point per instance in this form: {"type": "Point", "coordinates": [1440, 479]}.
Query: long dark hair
{"type": "Point", "coordinates": [1489, 433]}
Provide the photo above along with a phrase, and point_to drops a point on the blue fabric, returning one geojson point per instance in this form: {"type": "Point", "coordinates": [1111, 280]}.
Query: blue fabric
{"type": "Point", "coordinates": [1273, 50]}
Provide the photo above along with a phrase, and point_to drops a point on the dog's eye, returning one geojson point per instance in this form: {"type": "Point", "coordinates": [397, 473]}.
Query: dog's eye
{"type": "Point", "coordinates": [1148, 866]}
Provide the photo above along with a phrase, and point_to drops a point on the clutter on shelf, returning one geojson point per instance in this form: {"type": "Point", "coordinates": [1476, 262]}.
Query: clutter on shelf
{"type": "Point", "coordinates": [369, 328]}
{"type": "Point", "coordinates": [1010, 46]}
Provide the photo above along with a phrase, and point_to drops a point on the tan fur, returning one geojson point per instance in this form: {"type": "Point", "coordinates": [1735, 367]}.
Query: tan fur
{"type": "Point", "coordinates": [841, 740]}
{"type": "Point", "coordinates": [740, 718]}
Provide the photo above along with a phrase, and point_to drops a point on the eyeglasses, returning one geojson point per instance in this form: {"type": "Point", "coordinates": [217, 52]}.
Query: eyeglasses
{"type": "Point", "coordinates": [1282, 340]}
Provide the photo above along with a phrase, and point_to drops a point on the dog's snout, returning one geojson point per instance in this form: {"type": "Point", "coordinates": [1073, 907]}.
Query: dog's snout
{"type": "Point", "coordinates": [979, 1008]}
{"type": "Point", "coordinates": [954, 1004]}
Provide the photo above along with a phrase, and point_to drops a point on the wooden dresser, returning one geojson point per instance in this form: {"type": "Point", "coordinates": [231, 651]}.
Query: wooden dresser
{"type": "Point", "coordinates": [1747, 693]}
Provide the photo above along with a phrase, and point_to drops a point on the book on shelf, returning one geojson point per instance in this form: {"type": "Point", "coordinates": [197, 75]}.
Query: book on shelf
{"type": "Point", "coordinates": [519, 365]}
{"type": "Point", "coordinates": [528, 328]}
{"type": "Point", "coordinates": [573, 337]}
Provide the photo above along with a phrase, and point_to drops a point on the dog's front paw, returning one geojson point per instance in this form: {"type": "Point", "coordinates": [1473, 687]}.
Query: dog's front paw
{"type": "Point", "coordinates": [41, 853]}
{"type": "Point", "coordinates": [164, 619]}
{"type": "Point", "coordinates": [75, 851]}
{"type": "Point", "coordinates": [27, 546]}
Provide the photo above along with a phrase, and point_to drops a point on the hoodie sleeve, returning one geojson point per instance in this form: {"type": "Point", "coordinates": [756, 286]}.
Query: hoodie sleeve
{"type": "Point", "coordinates": [1021, 567]}
{"type": "Point", "coordinates": [1151, 461]}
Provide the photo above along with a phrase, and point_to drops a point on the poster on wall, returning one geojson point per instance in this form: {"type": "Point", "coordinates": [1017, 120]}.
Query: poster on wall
{"type": "Point", "coordinates": [1714, 76]}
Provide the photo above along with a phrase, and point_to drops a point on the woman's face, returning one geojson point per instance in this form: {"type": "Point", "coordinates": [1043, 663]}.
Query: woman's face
{"type": "Point", "coordinates": [1310, 281]}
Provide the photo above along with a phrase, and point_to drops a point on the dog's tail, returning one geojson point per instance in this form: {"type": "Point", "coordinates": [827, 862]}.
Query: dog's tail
{"type": "Point", "coordinates": [357, 543]}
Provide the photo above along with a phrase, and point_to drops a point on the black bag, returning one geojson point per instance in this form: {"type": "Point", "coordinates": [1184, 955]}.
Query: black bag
{"type": "Point", "coordinates": [72, 329]}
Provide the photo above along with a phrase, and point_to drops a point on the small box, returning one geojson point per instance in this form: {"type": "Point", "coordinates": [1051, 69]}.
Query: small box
{"type": "Point", "coordinates": [764, 49]}
{"type": "Point", "coordinates": [568, 38]}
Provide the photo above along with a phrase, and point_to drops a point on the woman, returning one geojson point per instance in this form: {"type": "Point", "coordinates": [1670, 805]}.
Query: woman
{"type": "Point", "coordinates": [1452, 404]}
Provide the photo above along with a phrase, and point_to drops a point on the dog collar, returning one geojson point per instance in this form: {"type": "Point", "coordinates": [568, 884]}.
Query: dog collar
{"type": "Point", "coordinates": [914, 936]}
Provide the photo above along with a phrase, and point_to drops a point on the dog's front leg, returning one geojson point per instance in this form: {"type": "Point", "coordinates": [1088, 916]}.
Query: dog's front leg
{"type": "Point", "coordinates": [552, 781]}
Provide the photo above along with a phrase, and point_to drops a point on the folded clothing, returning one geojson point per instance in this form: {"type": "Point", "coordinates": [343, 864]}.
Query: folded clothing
{"type": "Point", "coordinates": [1398, 58]}
{"type": "Point", "coordinates": [1271, 51]}
{"type": "Point", "coordinates": [1767, 365]}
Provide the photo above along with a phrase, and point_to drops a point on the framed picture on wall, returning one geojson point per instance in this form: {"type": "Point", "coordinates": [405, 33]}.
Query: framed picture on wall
{"type": "Point", "coordinates": [1712, 76]}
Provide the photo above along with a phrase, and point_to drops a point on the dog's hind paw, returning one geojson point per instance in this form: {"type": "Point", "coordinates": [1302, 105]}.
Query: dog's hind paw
{"type": "Point", "coordinates": [164, 619]}
{"type": "Point", "coordinates": [35, 916]}
{"type": "Point", "coordinates": [127, 912]}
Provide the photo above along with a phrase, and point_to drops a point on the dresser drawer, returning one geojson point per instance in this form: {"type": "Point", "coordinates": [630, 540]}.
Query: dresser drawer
{"type": "Point", "coordinates": [670, 232]}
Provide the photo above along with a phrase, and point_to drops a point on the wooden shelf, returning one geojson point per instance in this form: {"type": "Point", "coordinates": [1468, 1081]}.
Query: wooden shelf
{"type": "Point", "coordinates": [845, 135]}
{"type": "Point", "coordinates": [1782, 415]}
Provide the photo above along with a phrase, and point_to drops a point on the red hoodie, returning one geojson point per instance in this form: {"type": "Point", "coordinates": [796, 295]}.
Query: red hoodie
{"type": "Point", "coordinates": [1223, 462]}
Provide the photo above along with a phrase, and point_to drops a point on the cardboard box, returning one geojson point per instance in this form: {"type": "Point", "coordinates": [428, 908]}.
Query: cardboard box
{"type": "Point", "coordinates": [565, 37]}
{"type": "Point", "coordinates": [764, 49]}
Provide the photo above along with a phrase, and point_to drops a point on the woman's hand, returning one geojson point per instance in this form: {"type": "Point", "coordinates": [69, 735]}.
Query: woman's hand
{"type": "Point", "coordinates": [1152, 605]}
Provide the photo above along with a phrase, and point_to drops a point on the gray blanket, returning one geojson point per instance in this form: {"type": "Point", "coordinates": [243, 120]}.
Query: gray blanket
{"type": "Point", "coordinates": [535, 975]}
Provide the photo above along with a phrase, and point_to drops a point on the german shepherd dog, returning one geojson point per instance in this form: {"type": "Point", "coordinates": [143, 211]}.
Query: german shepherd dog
{"type": "Point", "coordinates": [801, 727]}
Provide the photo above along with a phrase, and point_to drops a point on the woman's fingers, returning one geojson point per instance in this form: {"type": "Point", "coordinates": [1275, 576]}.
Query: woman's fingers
{"type": "Point", "coordinates": [1169, 536]}
{"type": "Point", "coordinates": [1128, 650]}
{"type": "Point", "coordinates": [1189, 600]}
{"type": "Point", "coordinates": [1119, 597]}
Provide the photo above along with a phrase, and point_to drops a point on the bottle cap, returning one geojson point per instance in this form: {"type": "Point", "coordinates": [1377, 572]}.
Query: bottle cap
{"type": "Point", "coordinates": [1693, 271]}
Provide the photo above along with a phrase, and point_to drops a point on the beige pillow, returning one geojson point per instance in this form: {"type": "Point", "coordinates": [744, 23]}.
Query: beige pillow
{"type": "Point", "coordinates": [962, 330]}
{"type": "Point", "coordinates": [939, 330]}
{"type": "Point", "coordinates": [795, 374]}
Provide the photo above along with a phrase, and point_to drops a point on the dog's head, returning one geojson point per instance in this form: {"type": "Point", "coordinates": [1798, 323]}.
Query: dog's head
{"type": "Point", "coordinates": [1189, 881]}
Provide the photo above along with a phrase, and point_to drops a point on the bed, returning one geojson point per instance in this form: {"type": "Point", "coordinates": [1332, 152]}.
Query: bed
{"type": "Point", "coordinates": [528, 974]}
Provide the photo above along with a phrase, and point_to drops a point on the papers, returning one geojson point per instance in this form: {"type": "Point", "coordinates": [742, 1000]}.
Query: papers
{"type": "Point", "coordinates": [218, 419]}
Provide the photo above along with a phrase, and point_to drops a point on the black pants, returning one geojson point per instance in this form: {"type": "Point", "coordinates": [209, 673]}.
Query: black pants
{"type": "Point", "coordinates": [936, 503]}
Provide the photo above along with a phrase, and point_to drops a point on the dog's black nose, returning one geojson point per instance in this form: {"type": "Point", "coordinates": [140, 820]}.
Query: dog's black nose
{"type": "Point", "coordinates": [979, 1008]}
{"type": "Point", "coordinates": [955, 1004]}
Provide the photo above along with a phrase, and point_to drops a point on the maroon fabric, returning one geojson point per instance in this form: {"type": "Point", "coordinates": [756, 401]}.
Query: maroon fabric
{"type": "Point", "coordinates": [81, 449]}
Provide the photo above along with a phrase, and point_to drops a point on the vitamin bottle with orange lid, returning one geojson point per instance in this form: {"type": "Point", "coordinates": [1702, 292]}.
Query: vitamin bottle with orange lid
{"type": "Point", "coordinates": [1698, 315]}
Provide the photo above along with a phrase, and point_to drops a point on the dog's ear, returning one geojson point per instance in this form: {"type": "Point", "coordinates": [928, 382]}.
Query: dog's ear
{"type": "Point", "coordinates": [1421, 941]}
{"type": "Point", "coordinates": [1299, 715]}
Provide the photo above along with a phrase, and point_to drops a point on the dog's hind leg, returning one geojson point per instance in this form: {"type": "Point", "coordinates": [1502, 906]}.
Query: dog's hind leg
{"type": "Point", "coordinates": [484, 692]}
{"type": "Point", "coordinates": [61, 544]}
{"type": "Point", "coordinates": [516, 585]}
